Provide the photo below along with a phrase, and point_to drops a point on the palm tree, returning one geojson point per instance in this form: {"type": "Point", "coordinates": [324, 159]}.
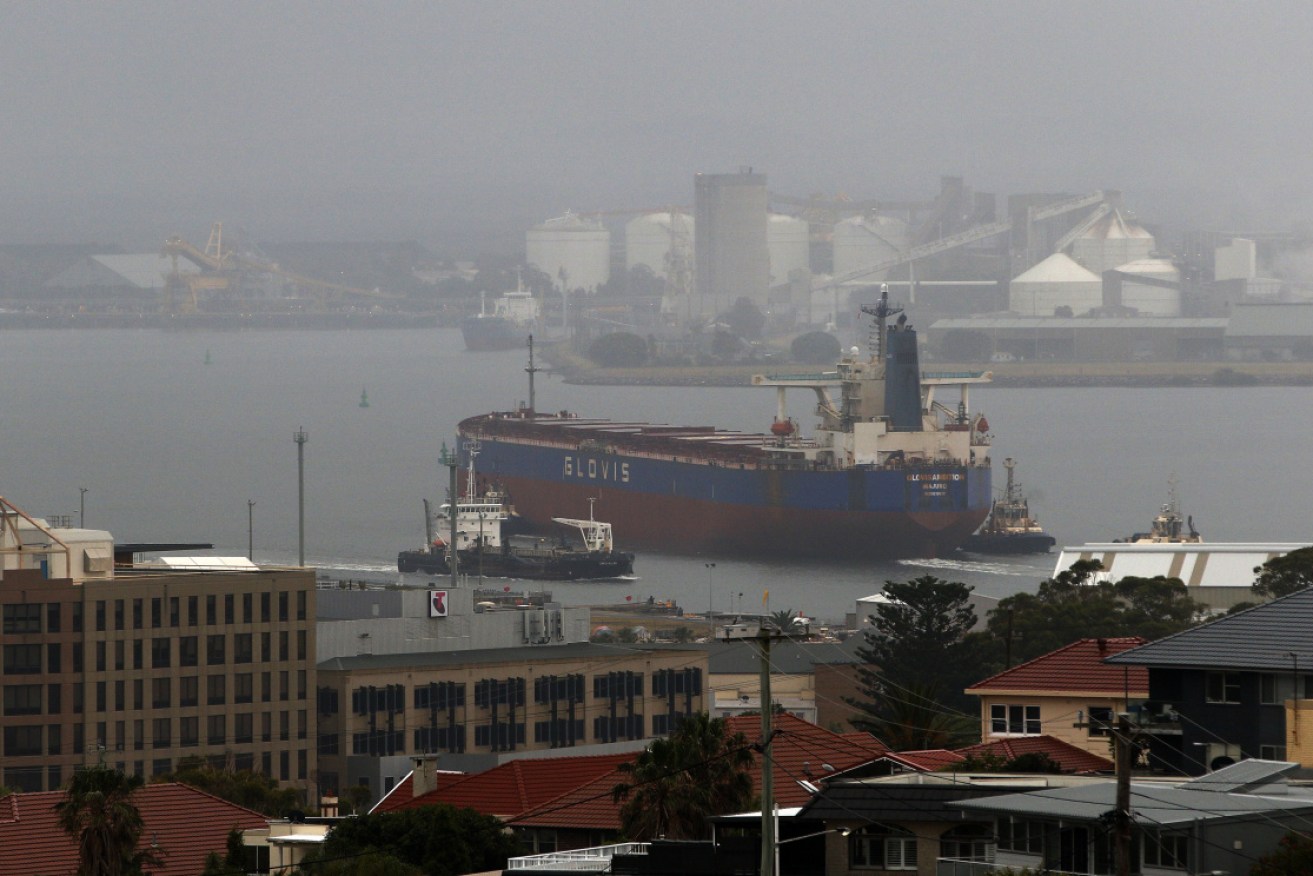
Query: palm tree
{"type": "Point", "coordinates": [782, 620]}
{"type": "Point", "coordinates": [98, 813]}
{"type": "Point", "coordinates": [679, 781]}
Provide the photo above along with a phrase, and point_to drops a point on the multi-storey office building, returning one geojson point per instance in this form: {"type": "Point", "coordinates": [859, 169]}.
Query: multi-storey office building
{"type": "Point", "coordinates": [389, 706]}
{"type": "Point", "coordinates": [141, 668]}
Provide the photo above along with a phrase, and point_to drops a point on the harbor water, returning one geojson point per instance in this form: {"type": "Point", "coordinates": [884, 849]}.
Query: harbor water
{"type": "Point", "coordinates": [171, 434]}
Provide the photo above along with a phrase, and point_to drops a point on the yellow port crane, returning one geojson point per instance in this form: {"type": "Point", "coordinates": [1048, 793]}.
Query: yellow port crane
{"type": "Point", "coordinates": [221, 269]}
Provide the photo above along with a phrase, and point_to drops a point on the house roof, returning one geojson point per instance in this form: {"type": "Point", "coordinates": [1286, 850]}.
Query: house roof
{"type": "Point", "coordinates": [516, 654]}
{"type": "Point", "coordinates": [184, 823]}
{"type": "Point", "coordinates": [513, 787]}
{"type": "Point", "coordinates": [927, 760]}
{"type": "Point", "coordinates": [1152, 804]}
{"type": "Point", "coordinates": [800, 751]}
{"type": "Point", "coordinates": [1273, 636]}
{"type": "Point", "coordinates": [1077, 668]}
{"type": "Point", "coordinates": [860, 801]}
{"type": "Point", "coordinates": [403, 791]}
{"type": "Point", "coordinates": [1067, 756]}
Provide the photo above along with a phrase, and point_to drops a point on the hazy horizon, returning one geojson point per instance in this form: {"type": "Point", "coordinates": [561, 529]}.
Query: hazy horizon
{"type": "Point", "coordinates": [460, 124]}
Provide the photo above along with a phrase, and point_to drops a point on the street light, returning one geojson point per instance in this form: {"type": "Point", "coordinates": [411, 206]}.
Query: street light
{"type": "Point", "coordinates": [82, 507]}
{"type": "Point", "coordinates": [250, 530]}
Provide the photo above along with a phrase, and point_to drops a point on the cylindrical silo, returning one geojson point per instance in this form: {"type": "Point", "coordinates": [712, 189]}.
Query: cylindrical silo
{"type": "Point", "coordinates": [862, 241]}
{"type": "Point", "coordinates": [573, 251]}
{"type": "Point", "coordinates": [1151, 299]}
{"type": "Point", "coordinates": [1113, 240]}
{"type": "Point", "coordinates": [1055, 282]}
{"type": "Point", "coordinates": [651, 239]}
{"type": "Point", "coordinates": [788, 240]}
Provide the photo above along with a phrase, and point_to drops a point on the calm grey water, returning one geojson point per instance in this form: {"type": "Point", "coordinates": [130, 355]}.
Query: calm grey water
{"type": "Point", "coordinates": [172, 433]}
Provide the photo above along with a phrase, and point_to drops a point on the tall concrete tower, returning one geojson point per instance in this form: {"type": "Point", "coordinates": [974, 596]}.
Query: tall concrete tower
{"type": "Point", "coordinates": [731, 256]}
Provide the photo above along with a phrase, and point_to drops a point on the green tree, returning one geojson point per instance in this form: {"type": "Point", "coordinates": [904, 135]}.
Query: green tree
{"type": "Point", "coordinates": [1072, 605]}
{"type": "Point", "coordinates": [238, 861]}
{"type": "Point", "coordinates": [618, 350]}
{"type": "Point", "coordinates": [913, 718]}
{"type": "Point", "coordinates": [1284, 575]}
{"type": "Point", "coordinates": [782, 620]}
{"type": "Point", "coordinates": [676, 783]}
{"type": "Point", "coordinates": [915, 661]}
{"type": "Point", "coordinates": [815, 348]}
{"type": "Point", "coordinates": [437, 840]}
{"type": "Point", "coordinates": [744, 319]}
{"type": "Point", "coordinates": [1293, 854]}
{"type": "Point", "coordinates": [243, 787]}
{"type": "Point", "coordinates": [98, 813]}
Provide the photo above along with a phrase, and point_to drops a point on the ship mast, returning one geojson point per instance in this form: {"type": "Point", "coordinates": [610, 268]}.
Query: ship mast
{"type": "Point", "coordinates": [531, 371]}
{"type": "Point", "coordinates": [472, 448]}
{"type": "Point", "coordinates": [881, 312]}
{"type": "Point", "coordinates": [1009, 495]}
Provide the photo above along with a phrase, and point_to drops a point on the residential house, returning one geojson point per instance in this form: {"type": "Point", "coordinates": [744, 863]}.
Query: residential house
{"type": "Point", "coordinates": [1220, 823]}
{"type": "Point", "coordinates": [1238, 687]}
{"type": "Point", "coordinates": [1070, 694]}
{"type": "Point", "coordinates": [181, 824]}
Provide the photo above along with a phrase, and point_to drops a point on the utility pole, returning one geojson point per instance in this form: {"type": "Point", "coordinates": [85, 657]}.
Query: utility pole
{"type": "Point", "coordinates": [450, 460]}
{"type": "Point", "coordinates": [250, 530]}
{"type": "Point", "coordinates": [711, 623]}
{"type": "Point", "coordinates": [300, 438]}
{"type": "Point", "coordinates": [531, 371]}
{"type": "Point", "coordinates": [82, 507]}
{"type": "Point", "coordinates": [767, 763]}
{"type": "Point", "coordinates": [1122, 740]}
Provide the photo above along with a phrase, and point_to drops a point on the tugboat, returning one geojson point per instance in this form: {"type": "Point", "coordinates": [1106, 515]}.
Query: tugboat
{"type": "Point", "coordinates": [1169, 527]}
{"type": "Point", "coordinates": [1009, 528]}
{"type": "Point", "coordinates": [489, 542]}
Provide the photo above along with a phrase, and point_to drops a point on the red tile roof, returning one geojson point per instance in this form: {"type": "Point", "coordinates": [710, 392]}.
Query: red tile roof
{"type": "Point", "coordinates": [801, 751]}
{"type": "Point", "coordinates": [1067, 756]}
{"type": "Point", "coordinates": [514, 786]}
{"type": "Point", "coordinates": [1075, 668]}
{"type": "Point", "coordinates": [927, 760]}
{"type": "Point", "coordinates": [184, 823]}
{"type": "Point", "coordinates": [401, 793]}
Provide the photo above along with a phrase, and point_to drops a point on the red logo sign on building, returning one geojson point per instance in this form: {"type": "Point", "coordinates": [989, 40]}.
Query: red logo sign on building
{"type": "Point", "coordinates": [437, 603]}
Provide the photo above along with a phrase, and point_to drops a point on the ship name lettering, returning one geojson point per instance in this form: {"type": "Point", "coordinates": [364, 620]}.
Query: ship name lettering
{"type": "Point", "coordinates": [592, 469]}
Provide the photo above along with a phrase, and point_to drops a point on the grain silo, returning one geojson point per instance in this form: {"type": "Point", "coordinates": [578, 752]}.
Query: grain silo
{"type": "Point", "coordinates": [1158, 294]}
{"type": "Point", "coordinates": [861, 241]}
{"type": "Point", "coordinates": [1113, 240]}
{"type": "Point", "coordinates": [788, 241]}
{"type": "Point", "coordinates": [651, 238]}
{"type": "Point", "coordinates": [573, 251]}
{"type": "Point", "coordinates": [1055, 282]}
{"type": "Point", "coordinates": [731, 259]}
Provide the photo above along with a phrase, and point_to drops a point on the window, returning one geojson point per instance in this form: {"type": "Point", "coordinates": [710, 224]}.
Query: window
{"type": "Point", "coordinates": [1005, 718]}
{"type": "Point", "coordinates": [161, 692]}
{"type": "Point", "coordinates": [53, 739]}
{"type": "Point", "coordinates": [100, 615]}
{"type": "Point", "coordinates": [188, 651]}
{"type": "Point", "coordinates": [300, 645]}
{"type": "Point", "coordinates": [215, 686]}
{"type": "Point", "coordinates": [77, 617]}
{"type": "Point", "coordinates": [22, 619]}
{"type": "Point", "coordinates": [52, 617]}
{"type": "Point", "coordinates": [1267, 689]}
{"type": "Point", "coordinates": [1272, 752]}
{"type": "Point", "coordinates": [163, 732]}
{"type": "Point", "coordinates": [1100, 720]}
{"type": "Point", "coordinates": [118, 614]}
{"type": "Point", "coordinates": [120, 655]}
{"type": "Point", "coordinates": [22, 659]}
{"type": "Point", "coordinates": [53, 662]}
{"type": "Point", "coordinates": [100, 656]}
{"type": "Point", "coordinates": [137, 614]}
{"type": "Point", "coordinates": [188, 690]}
{"type": "Point", "coordinates": [283, 692]}
{"type": "Point", "coordinates": [282, 607]}
{"type": "Point", "coordinates": [242, 648]}
{"type": "Point", "coordinates": [882, 848]}
{"type": "Point", "coordinates": [1165, 849]}
{"type": "Point", "coordinates": [175, 612]}
{"type": "Point", "coordinates": [328, 703]}
{"type": "Point", "coordinates": [100, 696]}
{"type": "Point", "coordinates": [229, 613]}
{"type": "Point", "coordinates": [244, 730]}
{"type": "Point", "coordinates": [138, 694]}
{"type": "Point", "coordinates": [211, 609]}
{"type": "Point", "coordinates": [22, 699]}
{"type": "Point", "coordinates": [266, 687]}
{"type": "Point", "coordinates": [53, 699]}
{"type": "Point", "coordinates": [160, 653]}
{"type": "Point", "coordinates": [300, 605]}
{"type": "Point", "coordinates": [1021, 836]}
{"type": "Point", "coordinates": [214, 650]}
{"type": "Point", "coordinates": [77, 658]}
{"type": "Point", "coordinates": [265, 613]}
{"type": "Point", "coordinates": [301, 682]}
{"type": "Point", "coordinates": [1223, 687]}
{"type": "Point", "coordinates": [302, 723]}
{"type": "Point", "coordinates": [23, 741]}
{"type": "Point", "coordinates": [136, 654]}
{"type": "Point", "coordinates": [243, 687]}
{"type": "Point", "coordinates": [266, 646]}
{"type": "Point", "coordinates": [193, 613]}
{"type": "Point", "coordinates": [189, 733]}
{"type": "Point", "coordinates": [156, 612]}
{"type": "Point", "coordinates": [120, 695]}
{"type": "Point", "coordinates": [968, 842]}
{"type": "Point", "coordinates": [248, 608]}
{"type": "Point", "coordinates": [218, 730]}
{"type": "Point", "coordinates": [282, 645]}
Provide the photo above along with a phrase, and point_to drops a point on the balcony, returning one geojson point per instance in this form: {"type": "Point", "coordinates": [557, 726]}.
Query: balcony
{"type": "Point", "coordinates": [592, 860]}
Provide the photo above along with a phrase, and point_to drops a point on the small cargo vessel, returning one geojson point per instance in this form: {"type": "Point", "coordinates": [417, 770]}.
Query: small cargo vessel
{"type": "Point", "coordinates": [1010, 528]}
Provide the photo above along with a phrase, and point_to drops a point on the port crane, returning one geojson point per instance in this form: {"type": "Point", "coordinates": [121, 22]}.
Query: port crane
{"type": "Point", "coordinates": [221, 269]}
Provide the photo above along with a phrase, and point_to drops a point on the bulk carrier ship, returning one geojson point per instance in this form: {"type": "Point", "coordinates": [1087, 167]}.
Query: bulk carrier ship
{"type": "Point", "coordinates": [888, 472]}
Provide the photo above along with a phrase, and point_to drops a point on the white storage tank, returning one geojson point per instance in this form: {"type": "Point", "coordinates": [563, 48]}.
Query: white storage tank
{"type": "Point", "coordinates": [1151, 300]}
{"type": "Point", "coordinates": [650, 239]}
{"type": "Point", "coordinates": [1113, 240]}
{"type": "Point", "coordinates": [1055, 282]}
{"type": "Point", "coordinates": [573, 251]}
{"type": "Point", "coordinates": [861, 241]}
{"type": "Point", "coordinates": [788, 240]}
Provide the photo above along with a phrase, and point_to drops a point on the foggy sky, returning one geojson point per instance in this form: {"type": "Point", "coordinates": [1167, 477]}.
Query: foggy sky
{"type": "Point", "coordinates": [450, 122]}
